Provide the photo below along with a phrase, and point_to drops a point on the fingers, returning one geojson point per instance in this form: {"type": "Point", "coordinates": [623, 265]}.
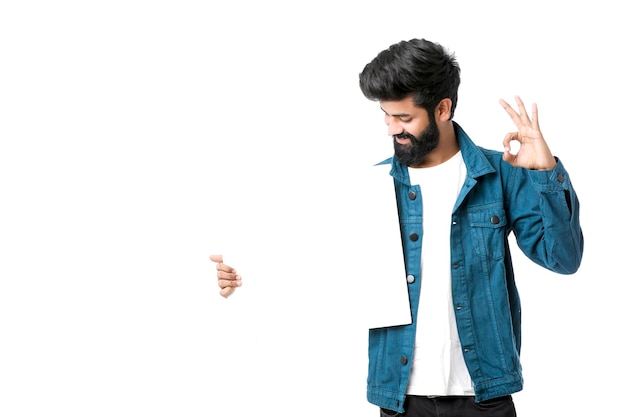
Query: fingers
{"type": "Point", "coordinates": [522, 108]}
{"type": "Point", "coordinates": [520, 119]}
{"type": "Point", "coordinates": [507, 107]}
{"type": "Point", "coordinates": [228, 286]}
{"type": "Point", "coordinates": [227, 274]}
{"type": "Point", "coordinates": [222, 267]}
{"type": "Point", "coordinates": [225, 292]}
{"type": "Point", "coordinates": [227, 278]}
{"type": "Point", "coordinates": [220, 264]}
{"type": "Point", "coordinates": [535, 113]}
{"type": "Point", "coordinates": [535, 120]}
{"type": "Point", "coordinates": [509, 155]}
{"type": "Point", "coordinates": [506, 142]}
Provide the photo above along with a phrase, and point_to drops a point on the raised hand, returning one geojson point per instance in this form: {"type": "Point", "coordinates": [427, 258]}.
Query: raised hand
{"type": "Point", "coordinates": [534, 152]}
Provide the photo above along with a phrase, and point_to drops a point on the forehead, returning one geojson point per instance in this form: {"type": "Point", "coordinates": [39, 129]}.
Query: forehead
{"type": "Point", "coordinates": [404, 107]}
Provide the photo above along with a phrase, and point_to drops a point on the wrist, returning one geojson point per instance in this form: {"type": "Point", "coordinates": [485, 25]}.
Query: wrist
{"type": "Point", "coordinates": [549, 165]}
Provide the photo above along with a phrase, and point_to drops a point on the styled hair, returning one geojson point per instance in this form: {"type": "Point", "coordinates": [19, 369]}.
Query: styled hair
{"type": "Point", "coordinates": [418, 68]}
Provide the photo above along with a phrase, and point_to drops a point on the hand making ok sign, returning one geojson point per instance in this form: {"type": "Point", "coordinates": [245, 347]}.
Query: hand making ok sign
{"type": "Point", "coordinates": [533, 151]}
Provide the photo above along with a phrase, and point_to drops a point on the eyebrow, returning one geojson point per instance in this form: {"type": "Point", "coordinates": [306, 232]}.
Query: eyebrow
{"type": "Point", "coordinates": [396, 115]}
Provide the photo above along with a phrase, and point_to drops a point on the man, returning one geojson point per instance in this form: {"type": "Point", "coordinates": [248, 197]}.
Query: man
{"type": "Point", "coordinates": [457, 205]}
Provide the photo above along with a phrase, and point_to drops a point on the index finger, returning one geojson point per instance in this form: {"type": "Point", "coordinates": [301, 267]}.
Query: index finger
{"type": "Point", "coordinates": [514, 115]}
{"type": "Point", "coordinates": [226, 268]}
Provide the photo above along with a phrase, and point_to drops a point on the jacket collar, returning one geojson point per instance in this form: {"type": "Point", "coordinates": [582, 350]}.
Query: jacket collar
{"type": "Point", "coordinates": [475, 160]}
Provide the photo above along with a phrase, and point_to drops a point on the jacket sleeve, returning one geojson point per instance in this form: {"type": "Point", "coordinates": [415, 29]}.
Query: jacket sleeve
{"type": "Point", "coordinates": [544, 211]}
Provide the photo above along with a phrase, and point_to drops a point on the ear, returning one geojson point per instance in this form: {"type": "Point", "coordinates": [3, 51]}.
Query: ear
{"type": "Point", "coordinates": [443, 110]}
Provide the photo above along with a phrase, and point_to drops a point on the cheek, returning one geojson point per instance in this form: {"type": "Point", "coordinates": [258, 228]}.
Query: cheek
{"type": "Point", "coordinates": [414, 129]}
{"type": "Point", "coordinates": [419, 128]}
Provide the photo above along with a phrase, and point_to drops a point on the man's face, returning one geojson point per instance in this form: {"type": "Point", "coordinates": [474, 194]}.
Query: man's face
{"type": "Point", "coordinates": [415, 132]}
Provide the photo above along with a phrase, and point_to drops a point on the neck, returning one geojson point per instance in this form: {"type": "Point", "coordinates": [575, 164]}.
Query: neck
{"type": "Point", "coordinates": [447, 148]}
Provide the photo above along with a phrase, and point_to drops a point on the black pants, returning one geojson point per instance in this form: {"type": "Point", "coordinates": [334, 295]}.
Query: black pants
{"type": "Point", "coordinates": [418, 406]}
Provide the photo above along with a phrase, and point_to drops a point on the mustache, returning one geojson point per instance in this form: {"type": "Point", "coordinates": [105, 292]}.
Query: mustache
{"type": "Point", "coordinates": [405, 136]}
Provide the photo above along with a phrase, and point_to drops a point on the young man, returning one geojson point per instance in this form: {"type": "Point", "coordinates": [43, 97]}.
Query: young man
{"type": "Point", "coordinates": [457, 205]}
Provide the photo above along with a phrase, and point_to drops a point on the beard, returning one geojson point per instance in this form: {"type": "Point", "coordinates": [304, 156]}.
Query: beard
{"type": "Point", "coordinates": [414, 154]}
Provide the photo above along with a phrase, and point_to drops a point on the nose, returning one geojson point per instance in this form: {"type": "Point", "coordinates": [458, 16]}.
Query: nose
{"type": "Point", "coordinates": [393, 127]}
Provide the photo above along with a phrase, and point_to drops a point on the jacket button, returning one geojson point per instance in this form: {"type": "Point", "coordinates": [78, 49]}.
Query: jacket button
{"type": "Point", "coordinates": [412, 195]}
{"type": "Point", "coordinates": [410, 279]}
{"type": "Point", "coordinates": [403, 360]}
{"type": "Point", "coordinates": [495, 219]}
{"type": "Point", "coordinates": [560, 178]}
{"type": "Point", "coordinates": [413, 237]}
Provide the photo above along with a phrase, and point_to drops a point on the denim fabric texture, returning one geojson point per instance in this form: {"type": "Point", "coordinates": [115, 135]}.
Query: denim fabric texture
{"type": "Point", "coordinates": [540, 208]}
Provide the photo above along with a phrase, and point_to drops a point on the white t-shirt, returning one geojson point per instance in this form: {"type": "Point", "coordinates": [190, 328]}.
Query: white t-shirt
{"type": "Point", "coordinates": [438, 367]}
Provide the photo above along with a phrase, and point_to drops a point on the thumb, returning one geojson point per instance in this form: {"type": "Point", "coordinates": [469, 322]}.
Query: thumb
{"type": "Point", "coordinates": [216, 258]}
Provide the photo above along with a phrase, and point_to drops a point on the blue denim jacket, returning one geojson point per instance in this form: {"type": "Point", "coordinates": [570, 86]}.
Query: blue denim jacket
{"type": "Point", "coordinates": [540, 208]}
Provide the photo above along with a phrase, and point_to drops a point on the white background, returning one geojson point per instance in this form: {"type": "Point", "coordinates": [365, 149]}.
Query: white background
{"type": "Point", "coordinates": [138, 137]}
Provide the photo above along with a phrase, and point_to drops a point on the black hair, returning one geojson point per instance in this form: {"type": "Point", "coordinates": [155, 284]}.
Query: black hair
{"type": "Point", "coordinates": [418, 68]}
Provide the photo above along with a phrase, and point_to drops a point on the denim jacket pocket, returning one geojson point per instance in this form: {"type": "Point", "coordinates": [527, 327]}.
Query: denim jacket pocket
{"type": "Point", "coordinates": [488, 225]}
